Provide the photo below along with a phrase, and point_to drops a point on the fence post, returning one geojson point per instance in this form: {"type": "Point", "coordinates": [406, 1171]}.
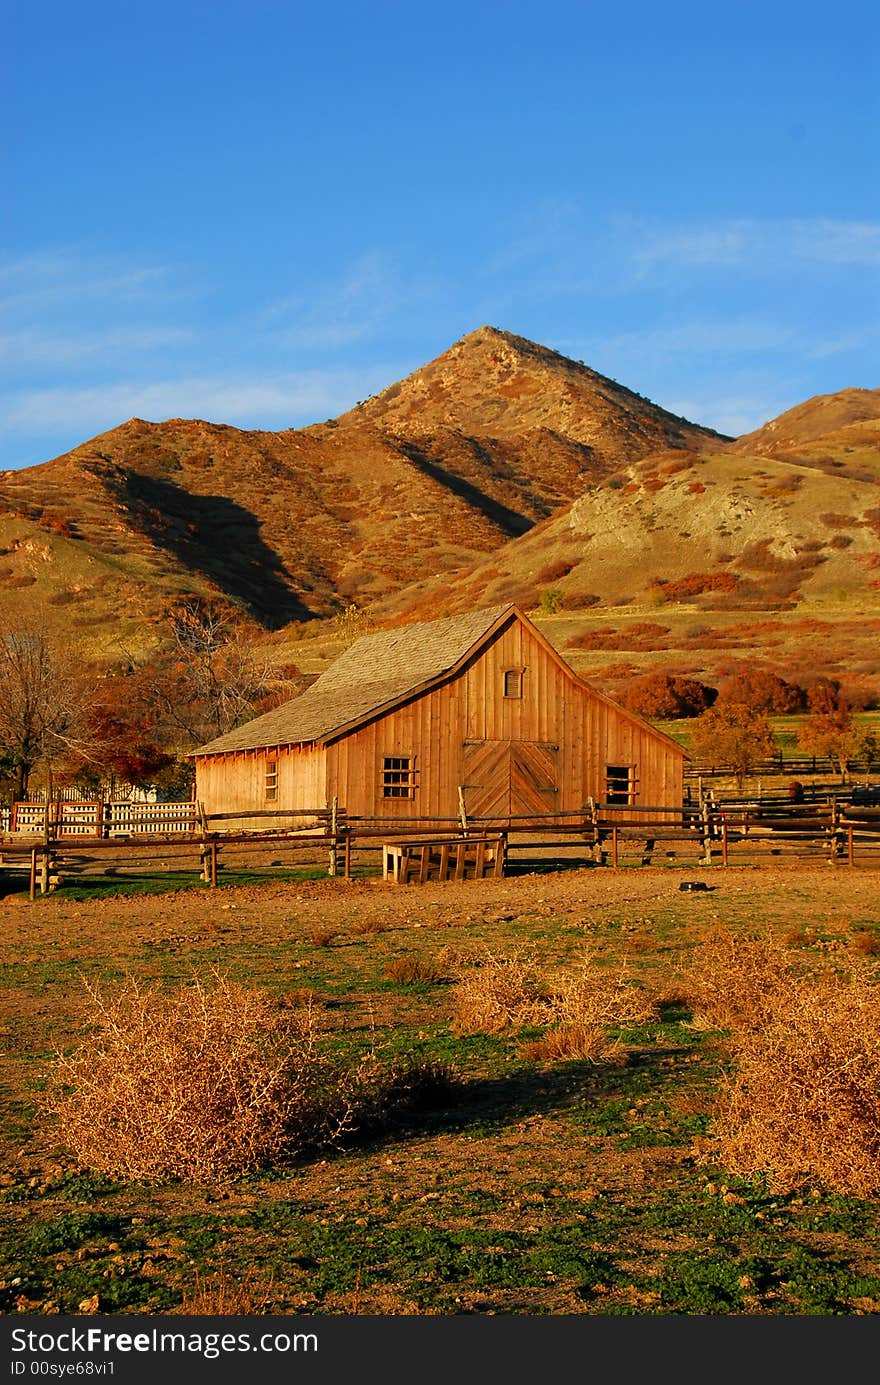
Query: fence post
{"type": "Point", "coordinates": [334, 822]}
{"type": "Point", "coordinates": [833, 844]}
{"type": "Point", "coordinates": [44, 868]}
{"type": "Point", "coordinates": [850, 844]}
{"type": "Point", "coordinates": [346, 855]}
{"type": "Point", "coordinates": [724, 839]}
{"type": "Point", "coordinates": [204, 853]}
{"type": "Point", "coordinates": [462, 810]}
{"type": "Point", "coordinates": [614, 845]}
{"type": "Point", "coordinates": [32, 888]}
{"type": "Point", "coordinates": [706, 834]}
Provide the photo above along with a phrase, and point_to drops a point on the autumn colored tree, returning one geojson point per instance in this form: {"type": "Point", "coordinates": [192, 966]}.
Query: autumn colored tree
{"type": "Point", "coordinates": [664, 697]}
{"type": "Point", "coordinates": [731, 733]}
{"type": "Point", "coordinates": [763, 692]}
{"type": "Point", "coordinates": [120, 735]}
{"type": "Point", "coordinates": [830, 732]}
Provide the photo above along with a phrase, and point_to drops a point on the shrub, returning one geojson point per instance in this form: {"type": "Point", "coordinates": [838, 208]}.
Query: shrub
{"type": "Point", "coordinates": [412, 971]}
{"type": "Point", "coordinates": [694, 584]}
{"type": "Point", "coordinates": [500, 993]}
{"type": "Point", "coordinates": [552, 600]}
{"type": "Point", "coordinates": [578, 1008]}
{"type": "Point", "coordinates": [732, 983]}
{"type": "Point", "coordinates": [201, 1083]}
{"type": "Point", "coordinates": [804, 1102]}
{"type": "Point", "coordinates": [762, 692]}
{"type": "Point", "coordinates": [661, 695]}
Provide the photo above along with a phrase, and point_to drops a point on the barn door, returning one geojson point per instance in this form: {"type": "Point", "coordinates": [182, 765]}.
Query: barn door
{"type": "Point", "coordinates": [533, 784]}
{"type": "Point", "coordinates": [505, 779]}
{"type": "Point", "coordinates": [486, 778]}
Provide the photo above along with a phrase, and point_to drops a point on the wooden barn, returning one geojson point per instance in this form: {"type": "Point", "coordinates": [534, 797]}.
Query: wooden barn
{"type": "Point", "coordinates": [407, 717]}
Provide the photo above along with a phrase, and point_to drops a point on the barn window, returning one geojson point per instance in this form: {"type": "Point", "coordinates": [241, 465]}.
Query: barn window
{"type": "Point", "coordinates": [271, 781]}
{"type": "Point", "coordinates": [513, 682]}
{"type": "Point", "coordinates": [620, 783]}
{"type": "Point", "coordinates": [399, 776]}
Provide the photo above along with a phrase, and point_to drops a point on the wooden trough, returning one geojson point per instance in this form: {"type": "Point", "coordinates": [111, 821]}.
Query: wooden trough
{"type": "Point", "coordinates": [417, 860]}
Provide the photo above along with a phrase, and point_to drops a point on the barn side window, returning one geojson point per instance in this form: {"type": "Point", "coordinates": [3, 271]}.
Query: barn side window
{"type": "Point", "coordinates": [620, 784]}
{"type": "Point", "coordinates": [271, 781]}
{"type": "Point", "coordinates": [513, 682]}
{"type": "Point", "coordinates": [399, 776]}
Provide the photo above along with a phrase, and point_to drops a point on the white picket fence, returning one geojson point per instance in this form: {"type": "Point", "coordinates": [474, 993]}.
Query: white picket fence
{"type": "Point", "coordinates": [84, 818]}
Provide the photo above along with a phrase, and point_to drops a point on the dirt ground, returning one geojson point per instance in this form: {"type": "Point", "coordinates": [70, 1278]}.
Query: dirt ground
{"type": "Point", "coordinates": [506, 1172]}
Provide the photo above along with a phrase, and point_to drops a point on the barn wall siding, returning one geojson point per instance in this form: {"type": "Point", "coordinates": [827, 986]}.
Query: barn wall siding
{"type": "Point", "coordinates": [471, 708]}
{"type": "Point", "coordinates": [233, 782]}
{"type": "Point", "coordinates": [565, 732]}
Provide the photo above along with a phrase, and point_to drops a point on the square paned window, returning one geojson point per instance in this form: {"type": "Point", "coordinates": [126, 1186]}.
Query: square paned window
{"type": "Point", "coordinates": [620, 784]}
{"type": "Point", "coordinates": [399, 776]}
{"type": "Point", "coordinates": [271, 781]}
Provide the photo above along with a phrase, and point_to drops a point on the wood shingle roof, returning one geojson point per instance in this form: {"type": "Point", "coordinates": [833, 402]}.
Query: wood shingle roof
{"type": "Point", "coordinates": [376, 671]}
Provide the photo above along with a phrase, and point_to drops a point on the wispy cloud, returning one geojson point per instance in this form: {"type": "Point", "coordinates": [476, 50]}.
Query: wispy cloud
{"type": "Point", "coordinates": [686, 338]}
{"type": "Point", "coordinates": [731, 414]}
{"type": "Point", "coordinates": [36, 348]}
{"type": "Point", "coordinates": [759, 244]}
{"type": "Point", "coordinates": [335, 314]}
{"type": "Point", "coordinates": [55, 278]}
{"type": "Point", "coordinates": [288, 399]}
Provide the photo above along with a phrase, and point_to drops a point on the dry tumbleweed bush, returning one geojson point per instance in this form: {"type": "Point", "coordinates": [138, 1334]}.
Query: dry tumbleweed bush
{"type": "Point", "coordinates": [804, 1101]}
{"type": "Point", "coordinates": [501, 993]}
{"type": "Point", "coordinates": [199, 1083]}
{"type": "Point", "coordinates": [734, 983]}
{"type": "Point", "coordinates": [578, 1008]}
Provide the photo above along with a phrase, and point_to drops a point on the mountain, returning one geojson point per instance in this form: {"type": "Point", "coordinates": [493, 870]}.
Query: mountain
{"type": "Point", "coordinates": [420, 481]}
{"type": "Point", "coordinates": [765, 548]}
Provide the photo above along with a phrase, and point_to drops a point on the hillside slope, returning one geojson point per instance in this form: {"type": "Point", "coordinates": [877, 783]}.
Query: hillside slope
{"type": "Point", "coordinates": [440, 469]}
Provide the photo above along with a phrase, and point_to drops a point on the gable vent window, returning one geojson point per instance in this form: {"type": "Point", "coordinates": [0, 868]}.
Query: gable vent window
{"type": "Point", "coordinates": [399, 776]}
{"type": "Point", "coordinates": [513, 682]}
{"type": "Point", "coordinates": [620, 784]}
{"type": "Point", "coordinates": [271, 781]}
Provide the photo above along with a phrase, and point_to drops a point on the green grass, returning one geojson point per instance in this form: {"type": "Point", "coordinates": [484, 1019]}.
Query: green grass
{"type": "Point", "coordinates": [169, 882]}
{"type": "Point", "coordinates": [529, 1188]}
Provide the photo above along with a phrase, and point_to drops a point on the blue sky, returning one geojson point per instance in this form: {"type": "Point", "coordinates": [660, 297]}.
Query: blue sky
{"type": "Point", "coordinates": [259, 213]}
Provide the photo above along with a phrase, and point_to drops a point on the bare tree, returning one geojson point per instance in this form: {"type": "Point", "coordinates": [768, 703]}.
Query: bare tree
{"type": "Point", "coordinates": [43, 693]}
{"type": "Point", "coordinates": [212, 677]}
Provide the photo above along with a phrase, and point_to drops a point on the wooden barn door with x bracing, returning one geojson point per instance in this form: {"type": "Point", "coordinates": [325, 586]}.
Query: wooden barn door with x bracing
{"type": "Point", "coordinates": [504, 779]}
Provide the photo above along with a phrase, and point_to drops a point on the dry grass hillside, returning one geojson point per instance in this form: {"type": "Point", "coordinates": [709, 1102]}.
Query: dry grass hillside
{"type": "Point", "coordinates": [499, 471]}
{"type": "Point", "coordinates": [765, 549]}
{"type": "Point", "coordinates": [441, 469]}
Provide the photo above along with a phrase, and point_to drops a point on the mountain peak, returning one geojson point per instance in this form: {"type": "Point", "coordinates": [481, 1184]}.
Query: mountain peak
{"type": "Point", "coordinates": [495, 383]}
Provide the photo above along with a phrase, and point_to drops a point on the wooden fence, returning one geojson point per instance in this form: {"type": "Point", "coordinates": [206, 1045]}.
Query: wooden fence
{"type": "Point", "coordinates": [793, 766]}
{"type": "Point", "coordinates": [73, 839]}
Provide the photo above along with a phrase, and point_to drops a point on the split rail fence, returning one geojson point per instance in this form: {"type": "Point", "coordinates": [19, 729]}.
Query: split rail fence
{"type": "Point", "coordinates": [56, 843]}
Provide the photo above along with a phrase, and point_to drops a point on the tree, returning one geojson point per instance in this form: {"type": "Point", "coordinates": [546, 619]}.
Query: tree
{"type": "Point", "coordinates": [731, 733]}
{"type": "Point", "coordinates": [662, 696]}
{"type": "Point", "coordinates": [43, 690]}
{"type": "Point", "coordinates": [211, 676]}
{"type": "Point", "coordinates": [352, 622]}
{"type": "Point", "coordinates": [830, 732]}
{"type": "Point", "coordinates": [763, 692]}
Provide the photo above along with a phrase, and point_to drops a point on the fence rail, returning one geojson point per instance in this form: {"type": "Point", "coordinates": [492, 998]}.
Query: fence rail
{"type": "Point", "coordinates": [779, 764]}
{"type": "Point", "coordinates": [55, 842]}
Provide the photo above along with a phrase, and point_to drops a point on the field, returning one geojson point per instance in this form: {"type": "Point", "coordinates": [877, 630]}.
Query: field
{"type": "Point", "coordinates": [529, 1187]}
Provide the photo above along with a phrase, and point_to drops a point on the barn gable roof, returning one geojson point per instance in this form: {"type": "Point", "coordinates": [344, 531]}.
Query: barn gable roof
{"type": "Point", "coordinates": [375, 671]}
{"type": "Point", "coordinates": [381, 670]}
